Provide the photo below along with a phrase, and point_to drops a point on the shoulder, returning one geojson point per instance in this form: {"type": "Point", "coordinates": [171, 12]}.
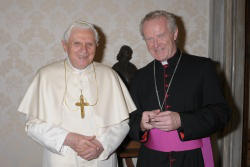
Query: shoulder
{"type": "Point", "coordinates": [195, 62]}
{"type": "Point", "coordinates": [100, 66]}
{"type": "Point", "coordinates": [52, 67]}
{"type": "Point", "coordinates": [143, 74]}
{"type": "Point", "coordinates": [194, 58]}
{"type": "Point", "coordinates": [52, 71]}
{"type": "Point", "coordinates": [197, 65]}
{"type": "Point", "coordinates": [144, 70]}
{"type": "Point", "coordinates": [103, 69]}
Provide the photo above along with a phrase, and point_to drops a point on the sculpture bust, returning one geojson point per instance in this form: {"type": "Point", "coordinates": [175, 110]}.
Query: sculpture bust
{"type": "Point", "coordinates": [123, 67]}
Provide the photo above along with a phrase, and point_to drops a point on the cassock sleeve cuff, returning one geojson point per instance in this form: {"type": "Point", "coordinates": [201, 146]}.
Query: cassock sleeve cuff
{"type": "Point", "coordinates": [63, 149]}
{"type": "Point", "coordinates": [181, 134]}
{"type": "Point", "coordinates": [144, 137]}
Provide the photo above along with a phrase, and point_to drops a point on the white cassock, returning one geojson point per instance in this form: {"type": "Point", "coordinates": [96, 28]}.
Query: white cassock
{"type": "Point", "coordinates": [51, 112]}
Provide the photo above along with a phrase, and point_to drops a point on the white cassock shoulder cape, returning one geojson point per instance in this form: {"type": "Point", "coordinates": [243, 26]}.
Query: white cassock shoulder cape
{"type": "Point", "coordinates": [45, 97]}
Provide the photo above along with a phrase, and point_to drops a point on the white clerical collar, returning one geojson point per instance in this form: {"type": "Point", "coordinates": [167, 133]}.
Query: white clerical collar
{"type": "Point", "coordinates": [164, 62]}
{"type": "Point", "coordinates": [78, 71]}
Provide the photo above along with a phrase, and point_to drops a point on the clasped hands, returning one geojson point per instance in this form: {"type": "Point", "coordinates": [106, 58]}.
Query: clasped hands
{"type": "Point", "coordinates": [165, 121]}
{"type": "Point", "coordinates": [86, 147]}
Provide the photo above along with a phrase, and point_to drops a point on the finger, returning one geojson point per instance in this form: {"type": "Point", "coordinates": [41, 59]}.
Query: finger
{"type": "Point", "coordinates": [88, 155]}
{"type": "Point", "coordinates": [161, 123]}
{"type": "Point", "coordinates": [146, 126]}
{"type": "Point", "coordinates": [153, 113]}
{"type": "Point", "coordinates": [164, 113]}
{"type": "Point", "coordinates": [85, 146]}
{"type": "Point", "coordinates": [165, 125]}
{"type": "Point", "coordinates": [157, 111]}
{"type": "Point", "coordinates": [151, 120]}
{"type": "Point", "coordinates": [162, 118]}
{"type": "Point", "coordinates": [90, 137]}
{"type": "Point", "coordinates": [145, 115]}
{"type": "Point", "coordinates": [82, 147]}
{"type": "Point", "coordinates": [85, 152]}
{"type": "Point", "coordinates": [163, 128]}
{"type": "Point", "coordinates": [152, 123]}
{"type": "Point", "coordinates": [91, 144]}
{"type": "Point", "coordinates": [149, 126]}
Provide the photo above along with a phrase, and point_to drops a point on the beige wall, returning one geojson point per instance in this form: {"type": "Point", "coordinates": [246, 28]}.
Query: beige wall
{"type": "Point", "coordinates": [30, 35]}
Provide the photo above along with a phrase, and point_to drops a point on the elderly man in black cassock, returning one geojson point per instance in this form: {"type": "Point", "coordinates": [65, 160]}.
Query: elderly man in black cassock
{"type": "Point", "coordinates": [178, 98]}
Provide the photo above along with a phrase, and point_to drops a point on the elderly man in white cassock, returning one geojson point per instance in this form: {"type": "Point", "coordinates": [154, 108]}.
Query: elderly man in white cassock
{"type": "Point", "coordinates": [77, 109]}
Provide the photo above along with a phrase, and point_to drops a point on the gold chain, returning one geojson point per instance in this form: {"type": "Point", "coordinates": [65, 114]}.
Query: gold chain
{"type": "Point", "coordinates": [66, 87]}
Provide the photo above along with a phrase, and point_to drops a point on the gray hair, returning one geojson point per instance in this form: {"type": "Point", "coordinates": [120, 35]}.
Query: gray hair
{"type": "Point", "coordinates": [160, 13]}
{"type": "Point", "coordinates": [83, 25]}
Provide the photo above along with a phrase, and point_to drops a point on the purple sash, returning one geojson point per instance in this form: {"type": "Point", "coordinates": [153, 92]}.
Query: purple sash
{"type": "Point", "coordinates": [207, 152]}
{"type": "Point", "coordinates": [170, 141]}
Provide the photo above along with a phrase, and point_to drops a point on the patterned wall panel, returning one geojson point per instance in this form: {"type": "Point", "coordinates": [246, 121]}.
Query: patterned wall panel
{"type": "Point", "coordinates": [30, 37]}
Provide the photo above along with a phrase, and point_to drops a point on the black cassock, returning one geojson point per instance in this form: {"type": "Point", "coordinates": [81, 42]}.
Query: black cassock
{"type": "Point", "coordinates": [195, 93]}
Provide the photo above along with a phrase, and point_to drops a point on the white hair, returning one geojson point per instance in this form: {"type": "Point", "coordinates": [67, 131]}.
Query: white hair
{"type": "Point", "coordinates": [160, 13]}
{"type": "Point", "coordinates": [82, 25]}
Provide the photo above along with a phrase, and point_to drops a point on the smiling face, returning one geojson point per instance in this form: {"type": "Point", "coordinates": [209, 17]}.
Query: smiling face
{"type": "Point", "coordinates": [80, 47]}
{"type": "Point", "coordinates": [159, 39]}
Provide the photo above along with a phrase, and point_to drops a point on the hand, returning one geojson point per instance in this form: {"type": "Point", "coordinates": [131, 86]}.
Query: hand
{"type": "Point", "coordinates": [79, 142]}
{"type": "Point", "coordinates": [167, 121]}
{"type": "Point", "coordinates": [148, 119]}
{"type": "Point", "coordinates": [90, 152]}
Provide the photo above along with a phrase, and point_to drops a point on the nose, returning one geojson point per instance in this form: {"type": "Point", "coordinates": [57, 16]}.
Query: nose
{"type": "Point", "coordinates": [83, 48]}
{"type": "Point", "coordinates": [156, 43]}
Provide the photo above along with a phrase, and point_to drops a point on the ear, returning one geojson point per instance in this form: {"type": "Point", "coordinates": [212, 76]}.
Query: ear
{"type": "Point", "coordinates": [176, 34]}
{"type": "Point", "coordinates": [64, 45]}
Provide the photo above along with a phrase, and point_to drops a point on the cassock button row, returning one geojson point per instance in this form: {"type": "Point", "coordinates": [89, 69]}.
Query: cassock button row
{"type": "Point", "coordinates": [166, 75]}
{"type": "Point", "coordinates": [168, 106]}
{"type": "Point", "coordinates": [167, 85]}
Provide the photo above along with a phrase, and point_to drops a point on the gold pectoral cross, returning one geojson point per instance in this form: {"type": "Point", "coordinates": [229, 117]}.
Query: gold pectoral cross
{"type": "Point", "coordinates": [82, 104]}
